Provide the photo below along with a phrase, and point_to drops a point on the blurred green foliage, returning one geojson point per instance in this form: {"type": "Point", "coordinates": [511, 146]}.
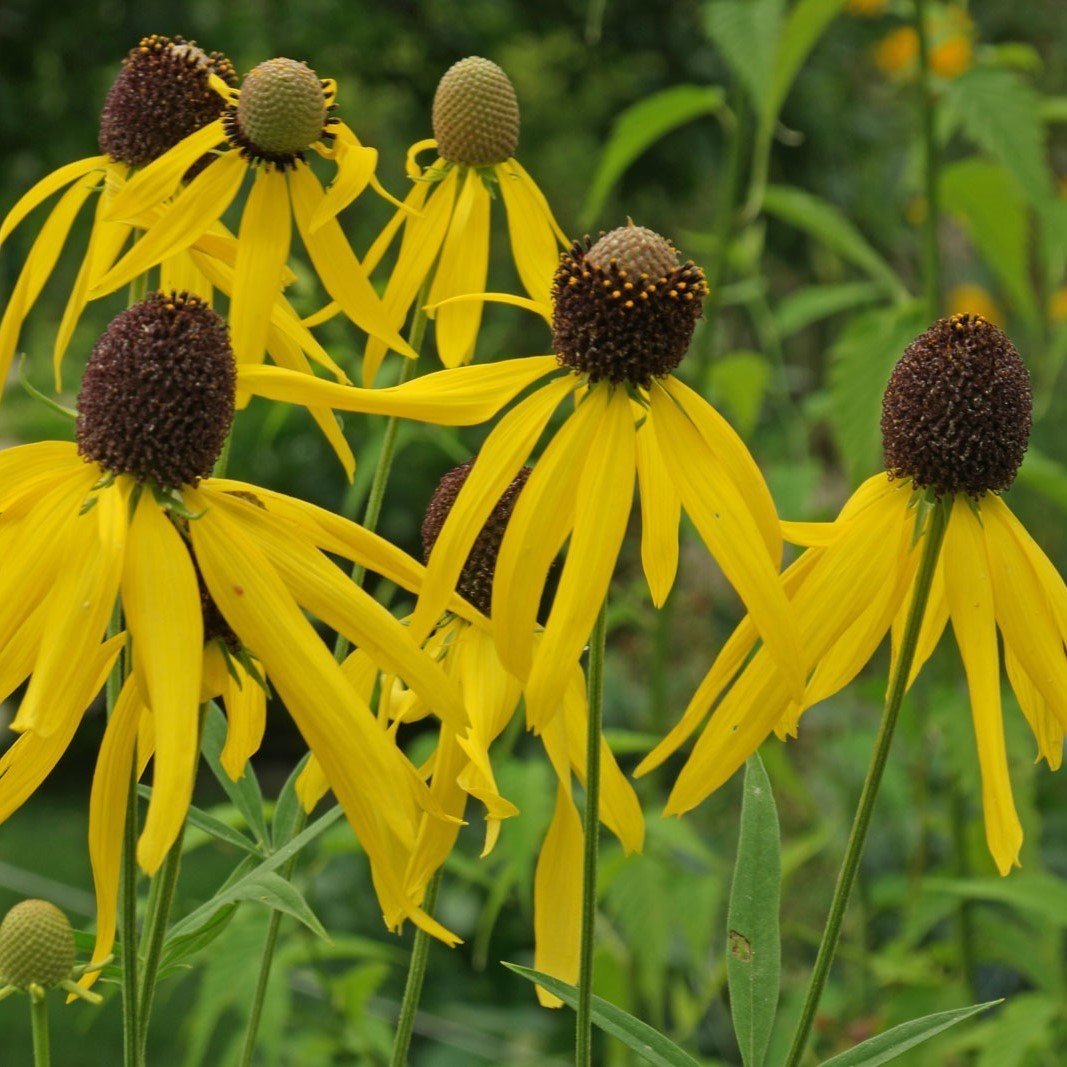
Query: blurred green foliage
{"type": "Point", "coordinates": [808, 220]}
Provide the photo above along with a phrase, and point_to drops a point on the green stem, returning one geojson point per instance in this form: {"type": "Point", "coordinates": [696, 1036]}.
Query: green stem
{"type": "Point", "coordinates": [931, 542]}
{"type": "Point", "coordinates": [371, 514]}
{"type": "Point", "coordinates": [932, 251]}
{"type": "Point", "coordinates": [160, 900]}
{"type": "Point", "coordinates": [42, 1056]}
{"type": "Point", "coordinates": [409, 1006]}
{"type": "Point", "coordinates": [583, 1045]}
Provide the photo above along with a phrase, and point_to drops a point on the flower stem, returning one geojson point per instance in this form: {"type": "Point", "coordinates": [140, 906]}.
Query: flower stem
{"type": "Point", "coordinates": [341, 646]}
{"type": "Point", "coordinates": [898, 684]}
{"type": "Point", "coordinates": [42, 1056]}
{"type": "Point", "coordinates": [927, 104]}
{"type": "Point", "coordinates": [583, 1046]}
{"type": "Point", "coordinates": [420, 952]}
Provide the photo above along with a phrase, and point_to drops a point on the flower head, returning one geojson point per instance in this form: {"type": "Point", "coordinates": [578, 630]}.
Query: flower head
{"type": "Point", "coordinates": [36, 946]}
{"type": "Point", "coordinates": [957, 418]}
{"type": "Point", "coordinates": [475, 114]}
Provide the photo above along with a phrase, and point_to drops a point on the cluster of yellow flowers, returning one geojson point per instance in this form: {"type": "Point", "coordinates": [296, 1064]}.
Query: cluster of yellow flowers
{"type": "Point", "coordinates": [212, 580]}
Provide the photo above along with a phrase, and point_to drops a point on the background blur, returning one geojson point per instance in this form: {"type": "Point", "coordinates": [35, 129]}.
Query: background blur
{"type": "Point", "coordinates": [816, 291]}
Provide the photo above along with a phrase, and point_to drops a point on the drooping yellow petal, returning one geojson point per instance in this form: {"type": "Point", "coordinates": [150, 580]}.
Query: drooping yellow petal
{"type": "Point", "coordinates": [192, 213]}
{"type": "Point", "coordinates": [181, 272]}
{"type": "Point", "coordinates": [734, 459]}
{"type": "Point", "coordinates": [970, 599]}
{"type": "Point", "coordinates": [728, 529]}
{"type": "Point", "coordinates": [602, 510]}
{"type": "Point", "coordinates": [321, 587]}
{"type": "Point", "coordinates": [20, 653]}
{"type": "Point", "coordinates": [311, 785]}
{"type": "Point", "coordinates": [336, 264]}
{"type": "Point", "coordinates": [39, 265]}
{"type": "Point", "coordinates": [152, 186]}
{"type": "Point", "coordinates": [419, 248]}
{"type": "Point", "coordinates": [538, 528]}
{"type": "Point", "coordinates": [462, 397]}
{"type": "Point", "coordinates": [1046, 726]}
{"type": "Point", "coordinates": [162, 603]}
{"type": "Point", "coordinates": [246, 721]}
{"type": "Point", "coordinates": [821, 534]}
{"type": "Point", "coordinates": [79, 607]}
{"type": "Point", "coordinates": [534, 245]}
{"type": "Point", "coordinates": [462, 269]}
{"type": "Point", "coordinates": [40, 465]}
{"type": "Point", "coordinates": [356, 164]}
{"type": "Point", "coordinates": [661, 512]}
{"type": "Point", "coordinates": [558, 898]}
{"type": "Point", "coordinates": [540, 198]}
{"type": "Point", "coordinates": [503, 453]}
{"type": "Point", "coordinates": [935, 619]}
{"type": "Point", "coordinates": [107, 815]}
{"type": "Point", "coordinates": [262, 251]}
{"type": "Point", "coordinates": [45, 187]}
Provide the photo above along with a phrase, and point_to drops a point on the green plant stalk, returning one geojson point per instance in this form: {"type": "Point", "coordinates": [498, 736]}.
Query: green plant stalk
{"type": "Point", "coordinates": [583, 1042]}
{"type": "Point", "coordinates": [42, 1055]}
{"type": "Point", "coordinates": [409, 1006]}
{"type": "Point", "coordinates": [371, 515]}
{"type": "Point", "coordinates": [931, 162]}
{"type": "Point", "coordinates": [931, 548]}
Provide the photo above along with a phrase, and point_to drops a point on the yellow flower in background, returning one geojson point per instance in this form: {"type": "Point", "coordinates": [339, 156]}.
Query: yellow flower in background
{"type": "Point", "coordinates": [955, 426]}
{"type": "Point", "coordinates": [445, 229]}
{"type": "Point", "coordinates": [952, 56]}
{"type": "Point", "coordinates": [162, 94]}
{"type": "Point", "coordinates": [898, 51]}
{"type": "Point", "coordinates": [131, 512]}
{"type": "Point", "coordinates": [971, 299]}
{"type": "Point", "coordinates": [1057, 305]}
{"type": "Point", "coordinates": [281, 112]}
{"type": "Point", "coordinates": [623, 313]}
{"type": "Point", "coordinates": [950, 33]}
{"type": "Point", "coordinates": [462, 764]}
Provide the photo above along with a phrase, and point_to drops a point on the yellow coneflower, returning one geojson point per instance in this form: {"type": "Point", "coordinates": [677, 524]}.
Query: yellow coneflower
{"type": "Point", "coordinates": [462, 765]}
{"type": "Point", "coordinates": [624, 310]}
{"type": "Point", "coordinates": [955, 425]}
{"type": "Point", "coordinates": [130, 512]}
{"type": "Point", "coordinates": [445, 233]}
{"type": "Point", "coordinates": [281, 112]}
{"type": "Point", "coordinates": [951, 46]}
{"type": "Point", "coordinates": [162, 95]}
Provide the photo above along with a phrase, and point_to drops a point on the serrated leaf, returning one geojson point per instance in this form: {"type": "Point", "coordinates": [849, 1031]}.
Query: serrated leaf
{"type": "Point", "coordinates": [861, 360]}
{"type": "Point", "coordinates": [893, 1043]}
{"type": "Point", "coordinates": [999, 112]}
{"type": "Point", "coordinates": [746, 34]}
{"type": "Point", "coordinates": [652, 1046]}
{"type": "Point", "coordinates": [813, 303]}
{"type": "Point", "coordinates": [639, 127]}
{"type": "Point", "coordinates": [987, 202]}
{"type": "Point", "coordinates": [753, 949]}
{"type": "Point", "coordinates": [245, 792]}
{"type": "Point", "coordinates": [827, 224]}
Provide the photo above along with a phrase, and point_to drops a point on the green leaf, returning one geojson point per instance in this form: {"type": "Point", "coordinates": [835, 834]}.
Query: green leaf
{"type": "Point", "coordinates": [179, 948]}
{"type": "Point", "coordinates": [861, 360]}
{"type": "Point", "coordinates": [900, 1039]}
{"type": "Point", "coordinates": [986, 200]}
{"type": "Point", "coordinates": [999, 112]}
{"type": "Point", "coordinates": [805, 24]}
{"type": "Point", "coordinates": [1023, 1026]}
{"type": "Point", "coordinates": [746, 33]}
{"type": "Point", "coordinates": [639, 127]}
{"type": "Point", "coordinates": [1053, 109]}
{"type": "Point", "coordinates": [245, 792]}
{"type": "Point", "coordinates": [754, 951]}
{"type": "Point", "coordinates": [289, 813]}
{"type": "Point", "coordinates": [236, 890]}
{"type": "Point", "coordinates": [212, 826]}
{"type": "Point", "coordinates": [827, 224]}
{"type": "Point", "coordinates": [643, 1039]}
{"type": "Point", "coordinates": [1042, 895]}
{"type": "Point", "coordinates": [813, 303]}
{"type": "Point", "coordinates": [739, 381]}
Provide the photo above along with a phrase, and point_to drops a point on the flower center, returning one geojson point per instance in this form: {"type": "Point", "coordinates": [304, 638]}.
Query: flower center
{"type": "Point", "coordinates": [36, 945]}
{"type": "Point", "coordinates": [956, 413]}
{"type": "Point", "coordinates": [280, 114]}
{"type": "Point", "coordinates": [475, 114]}
{"type": "Point", "coordinates": [162, 95]}
{"type": "Point", "coordinates": [476, 579]}
{"type": "Point", "coordinates": [624, 307]}
{"type": "Point", "coordinates": [157, 398]}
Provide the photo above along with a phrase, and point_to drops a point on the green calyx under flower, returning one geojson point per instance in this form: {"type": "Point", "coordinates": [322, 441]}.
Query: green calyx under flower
{"type": "Point", "coordinates": [956, 413]}
{"type": "Point", "coordinates": [282, 111]}
{"type": "Point", "coordinates": [157, 399]}
{"type": "Point", "coordinates": [624, 307]}
{"type": "Point", "coordinates": [476, 579]}
{"type": "Point", "coordinates": [475, 114]}
{"type": "Point", "coordinates": [162, 94]}
{"type": "Point", "coordinates": [36, 946]}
